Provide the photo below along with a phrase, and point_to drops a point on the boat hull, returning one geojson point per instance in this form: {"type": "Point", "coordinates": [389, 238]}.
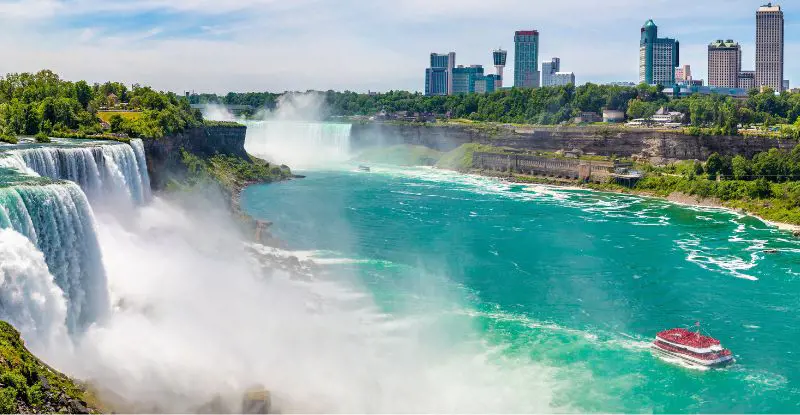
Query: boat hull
{"type": "Point", "coordinates": [720, 362]}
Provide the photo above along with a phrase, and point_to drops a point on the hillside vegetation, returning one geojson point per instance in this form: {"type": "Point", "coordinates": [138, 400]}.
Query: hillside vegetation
{"type": "Point", "coordinates": [29, 386]}
{"type": "Point", "coordinates": [43, 103]}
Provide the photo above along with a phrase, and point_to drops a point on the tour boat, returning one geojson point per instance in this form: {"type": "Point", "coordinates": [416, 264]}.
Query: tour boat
{"type": "Point", "coordinates": [692, 347]}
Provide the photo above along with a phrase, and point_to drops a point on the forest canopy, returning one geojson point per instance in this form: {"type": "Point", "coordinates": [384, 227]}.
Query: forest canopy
{"type": "Point", "coordinates": [43, 104]}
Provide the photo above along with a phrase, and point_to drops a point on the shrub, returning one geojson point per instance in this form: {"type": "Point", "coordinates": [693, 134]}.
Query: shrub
{"type": "Point", "coordinates": [8, 401]}
{"type": "Point", "coordinates": [42, 137]}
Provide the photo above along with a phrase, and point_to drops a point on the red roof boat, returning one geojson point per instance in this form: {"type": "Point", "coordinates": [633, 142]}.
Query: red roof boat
{"type": "Point", "coordinates": [692, 347]}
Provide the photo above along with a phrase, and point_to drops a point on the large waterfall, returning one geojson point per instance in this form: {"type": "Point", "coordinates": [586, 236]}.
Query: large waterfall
{"type": "Point", "coordinates": [299, 144]}
{"type": "Point", "coordinates": [57, 219]}
{"type": "Point", "coordinates": [42, 197]}
{"type": "Point", "coordinates": [116, 170]}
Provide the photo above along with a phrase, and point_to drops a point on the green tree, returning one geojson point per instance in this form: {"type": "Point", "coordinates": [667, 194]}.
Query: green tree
{"type": "Point", "coordinates": [741, 168]}
{"type": "Point", "coordinates": [83, 93]}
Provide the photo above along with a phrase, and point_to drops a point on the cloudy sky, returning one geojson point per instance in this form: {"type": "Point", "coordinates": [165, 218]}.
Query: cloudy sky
{"type": "Point", "coordinates": [359, 45]}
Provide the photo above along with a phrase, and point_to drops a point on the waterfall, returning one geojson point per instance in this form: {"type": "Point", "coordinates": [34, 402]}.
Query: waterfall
{"type": "Point", "coordinates": [115, 169]}
{"type": "Point", "coordinates": [141, 161]}
{"type": "Point", "coordinates": [299, 144]}
{"type": "Point", "coordinates": [29, 298]}
{"type": "Point", "coordinates": [57, 219]}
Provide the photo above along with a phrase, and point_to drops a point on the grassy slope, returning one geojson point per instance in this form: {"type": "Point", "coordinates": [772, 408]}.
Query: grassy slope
{"type": "Point", "coordinates": [30, 386]}
{"type": "Point", "coordinates": [460, 159]}
{"type": "Point", "coordinates": [232, 173]}
{"type": "Point", "coordinates": [128, 115]}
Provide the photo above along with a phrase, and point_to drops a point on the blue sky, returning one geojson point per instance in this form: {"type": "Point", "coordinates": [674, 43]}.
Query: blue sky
{"type": "Point", "coordinates": [359, 45]}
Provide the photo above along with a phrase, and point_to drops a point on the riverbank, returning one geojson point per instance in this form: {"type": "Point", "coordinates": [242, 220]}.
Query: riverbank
{"type": "Point", "coordinates": [674, 197]}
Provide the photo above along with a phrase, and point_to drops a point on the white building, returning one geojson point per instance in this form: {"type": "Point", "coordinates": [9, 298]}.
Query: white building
{"type": "Point", "coordinates": [563, 78]}
{"type": "Point", "coordinates": [769, 47]}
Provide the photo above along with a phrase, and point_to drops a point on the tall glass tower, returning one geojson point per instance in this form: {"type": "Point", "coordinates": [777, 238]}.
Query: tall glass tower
{"type": "Point", "coordinates": [526, 59]}
{"type": "Point", "coordinates": [439, 77]}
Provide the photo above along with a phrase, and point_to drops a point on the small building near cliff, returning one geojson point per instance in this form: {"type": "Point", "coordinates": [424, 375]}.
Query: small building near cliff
{"type": "Point", "coordinates": [587, 117]}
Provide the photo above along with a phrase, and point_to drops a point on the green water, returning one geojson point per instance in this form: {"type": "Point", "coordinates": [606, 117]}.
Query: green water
{"type": "Point", "coordinates": [569, 283]}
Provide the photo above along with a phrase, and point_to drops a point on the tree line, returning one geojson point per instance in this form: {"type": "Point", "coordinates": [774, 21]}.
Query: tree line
{"type": "Point", "coordinates": [41, 104]}
{"type": "Point", "coordinates": [554, 105]}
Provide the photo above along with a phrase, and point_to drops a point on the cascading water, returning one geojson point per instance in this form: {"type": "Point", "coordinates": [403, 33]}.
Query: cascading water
{"type": "Point", "coordinates": [57, 219]}
{"type": "Point", "coordinates": [29, 298]}
{"type": "Point", "coordinates": [118, 170]}
{"type": "Point", "coordinates": [299, 144]}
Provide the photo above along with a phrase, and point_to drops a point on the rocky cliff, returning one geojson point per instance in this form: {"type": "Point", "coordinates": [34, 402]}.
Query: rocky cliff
{"type": "Point", "coordinates": [164, 158]}
{"type": "Point", "coordinates": [604, 141]}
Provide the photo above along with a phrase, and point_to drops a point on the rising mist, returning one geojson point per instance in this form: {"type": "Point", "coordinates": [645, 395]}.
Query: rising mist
{"type": "Point", "coordinates": [294, 133]}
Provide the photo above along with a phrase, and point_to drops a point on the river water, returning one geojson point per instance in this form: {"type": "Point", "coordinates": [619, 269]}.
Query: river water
{"type": "Point", "coordinates": [570, 284]}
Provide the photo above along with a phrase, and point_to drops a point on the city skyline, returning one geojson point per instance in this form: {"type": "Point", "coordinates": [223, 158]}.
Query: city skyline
{"type": "Point", "coordinates": [365, 46]}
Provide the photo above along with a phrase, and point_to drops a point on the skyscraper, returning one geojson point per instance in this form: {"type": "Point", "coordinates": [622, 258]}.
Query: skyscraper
{"type": "Point", "coordinates": [499, 56]}
{"type": "Point", "coordinates": [464, 78]}
{"type": "Point", "coordinates": [549, 69]}
{"type": "Point", "coordinates": [769, 47]}
{"type": "Point", "coordinates": [526, 59]}
{"type": "Point", "coordinates": [439, 77]}
{"type": "Point", "coordinates": [436, 81]}
{"type": "Point", "coordinates": [658, 57]}
{"type": "Point", "coordinates": [724, 63]}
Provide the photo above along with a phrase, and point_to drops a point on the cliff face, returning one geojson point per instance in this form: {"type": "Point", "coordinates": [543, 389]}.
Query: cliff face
{"type": "Point", "coordinates": [164, 155]}
{"type": "Point", "coordinates": [602, 141]}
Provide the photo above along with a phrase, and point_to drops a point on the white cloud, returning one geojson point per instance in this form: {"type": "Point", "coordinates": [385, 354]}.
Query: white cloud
{"type": "Point", "coordinates": [29, 9]}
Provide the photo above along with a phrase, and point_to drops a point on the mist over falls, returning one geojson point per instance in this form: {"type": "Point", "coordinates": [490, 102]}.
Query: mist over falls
{"type": "Point", "coordinates": [300, 145]}
{"type": "Point", "coordinates": [293, 133]}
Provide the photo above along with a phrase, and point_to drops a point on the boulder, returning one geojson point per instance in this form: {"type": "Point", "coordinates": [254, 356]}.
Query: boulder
{"type": "Point", "coordinates": [257, 400]}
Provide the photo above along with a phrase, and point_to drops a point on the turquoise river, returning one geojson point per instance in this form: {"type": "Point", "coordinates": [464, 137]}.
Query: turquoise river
{"type": "Point", "coordinates": [566, 287]}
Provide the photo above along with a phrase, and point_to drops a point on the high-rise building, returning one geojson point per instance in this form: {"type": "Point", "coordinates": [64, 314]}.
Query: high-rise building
{"type": "Point", "coordinates": [499, 56]}
{"type": "Point", "coordinates": [562, 78]}
{"type": "Point", "coordinates": [526, 59]}
{"type": "Point", "coordinates": [549, 69]}
{"type": "Point", "coordinates": [724, 63]}
{"type": "Point", "coordinates": [683, 74]}
{"type": "Point", "coordinates": [747, 80]}
{"type": "Point", "coordinates": [658, 57]}
{"type": "Point", "coordinates": [769, 47]}
{"type": "Point", "coordinates": [439, 77]}
{"type": "Point", "coordinates": [464, 78]}
{"type": "Point", "coordinates": [436, 81]}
